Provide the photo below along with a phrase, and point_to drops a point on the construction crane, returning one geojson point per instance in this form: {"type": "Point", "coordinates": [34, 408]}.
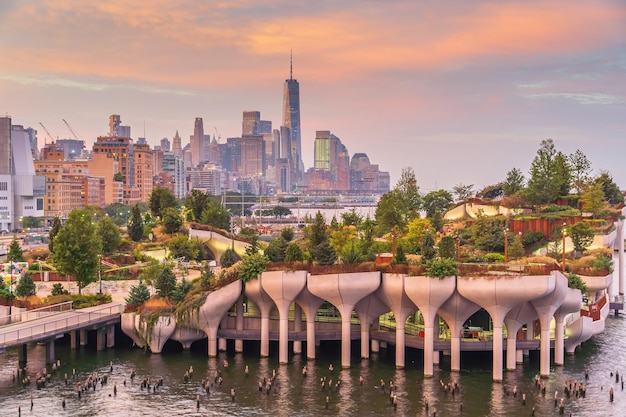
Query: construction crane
{"type": "Point", "coordinates": [71, 130]}
{"type": "Point", "coordinates": [47, 132]}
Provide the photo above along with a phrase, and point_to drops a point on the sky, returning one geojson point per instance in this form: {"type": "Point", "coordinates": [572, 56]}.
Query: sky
{"type": "Point", "coordinates": [462, 92]}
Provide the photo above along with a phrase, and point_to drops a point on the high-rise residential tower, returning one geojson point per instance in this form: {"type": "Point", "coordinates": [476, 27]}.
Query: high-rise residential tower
{"type": "Point", "coordinates": [291, 118]}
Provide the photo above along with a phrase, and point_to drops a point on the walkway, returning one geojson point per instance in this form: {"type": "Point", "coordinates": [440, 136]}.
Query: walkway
{"type": "Point", "coordinates": [50, 327]}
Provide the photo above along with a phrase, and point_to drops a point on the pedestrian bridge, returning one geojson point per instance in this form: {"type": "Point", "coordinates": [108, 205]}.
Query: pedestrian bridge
{"type": "Point", "coordinates": [53, 325]}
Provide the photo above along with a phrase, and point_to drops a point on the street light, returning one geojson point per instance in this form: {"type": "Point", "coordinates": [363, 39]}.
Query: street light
{"type": "Point", "coordinates": [564, 233]}
{"type": "Point", "coordinates": [100, 271]}
{"type": "Point", "coordinates": [457, 239]}
{"type": "Point", "coordinates": [506, 245]}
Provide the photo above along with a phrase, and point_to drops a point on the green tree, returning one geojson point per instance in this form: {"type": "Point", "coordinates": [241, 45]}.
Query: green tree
{"type": "Point", "coordinates": [516, 248]}
{"type": "Point", "coordinates": [582, 235]}
{"type": "Point", "coordinates": [287, 233]}
{"type": "Point", "coordinates": [165, 282]}
{"type": "Point", "coordinates": [340, 239]}
{"type": "Point", "coordinates": [447, 247]}
{"type": "Point", "coordinates": [206, 276]}
{"type": "Point", "coordinates": [513, 183]}
{"type": "Point", "coordinates": [324, 254]}
{"type": "Point", "coordinates": [197, 201]}
{"type": "Point", "coordinates": [228, 258]}
{"type": "Point", "coordinates": [611, 190]}
{"type": "Point", "coordinates": [109, 234]}
{"type": "Point", "coordinates": [316, 232]}
{"type": "Point", "coordinates": [26, 286]}
{"type": "Point", "coordinates": [581, 170]}
{"type": "Point", "coordinates": [275, 251]}
{"type": "Point", "coordinates": [171, 219]}
{"type": "Point", "coordinates": [549, 175]}
{"type": "Point", "coordinates": [352, 255]}
{"type": "Point", "coordinates": [182, 246]}
{"type": "Point", "coordinates": [351, 218]}
{"type": "Point", "coordinates": [428, 248]}
{"type": "Point", "coordinates": [418, 228]}
{"type": "Point", "coordinates": [366, 240]}
{"type": "Point", "coordinates": [54, 230]}
{"type": "Point", "coordinates": [334, 224]}
{"type": "Point", "coordinates": [150, 273]}
{"type": "Point", "coordinates": [77, 248]}
{"type": "Point", "coordinates": [398, 207]}
{"type": "Point", "coordinates": [215, 215]}
{"type": "Point", "coordinates": [279, 212]}
{"type": "Point", "coordinates": [252, 266]}
{"type": "Point", "coordinates": [138, 294]}
{"type": "Point", "coordinates": [487, 233]}
{"type": "Point", "coordinates": [57, 289]}
{"type": "Point", "coordinates": [135, 225]}
{"type": "Point", "coordinates": [15, 253]}
{"type": "Point", "coordinates": [293, 253]}
{"type": "Point", "coordinates": [160, 199]}
{"type": "Point", "coordinates": [399, 257]}
{"type": "Point", "coordinates": [437, 202]}
{"type": "Point", "coordinates": [593, 199]}
{"type": "Point", "coordinates": [463, 192]}
{"type": "Point", "coordinates": [253, 247]}
{"type": "Point", "coordinates": [181, 289]}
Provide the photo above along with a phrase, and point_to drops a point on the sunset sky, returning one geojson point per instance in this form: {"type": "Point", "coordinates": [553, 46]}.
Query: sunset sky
{"type": "Point", "coordinates": [462, 91]}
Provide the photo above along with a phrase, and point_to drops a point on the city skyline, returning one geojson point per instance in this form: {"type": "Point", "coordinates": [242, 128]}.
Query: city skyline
{"type": "Point", "coordinates": [477, 86]}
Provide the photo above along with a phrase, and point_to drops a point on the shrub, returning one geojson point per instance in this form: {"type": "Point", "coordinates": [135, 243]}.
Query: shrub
{"type": "Point", "coordinates": [494, 257]}
{"type": "Point", "coordinates": [252, 266]}
{"type": "Point", "coordinates": [441, 268]}
{"type": "Point", "coordinates": [138, 294]}
{"type": "Point", "coordinates": [58, 289]}
{"type": "Point", "coordinates": [228, 258]}
{"type": "Point", "coordinates": [574, 281]}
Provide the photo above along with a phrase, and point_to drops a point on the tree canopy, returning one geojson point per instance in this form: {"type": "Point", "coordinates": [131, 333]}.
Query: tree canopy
{"type": "Point", "coordinates": [160, 199]}
{"type": "Point", "coordinates": [77, 247]}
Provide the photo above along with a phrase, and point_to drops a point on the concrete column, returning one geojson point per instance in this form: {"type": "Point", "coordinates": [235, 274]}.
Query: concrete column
{"type": "Point", "coordinates": [346, 337]}
{"type": "Point", "coordinates": [100, 339]}
{"type": "Point", "coordinates": [544, 354]}
{"type": "Point", "coordinates": [511, 352]}
{"type": "Point", "coordinates": [83, 337]}
{"type": "Point", "coordinates": [73, 340]}
{"type": "Point", "coordinates": [519, 356]}
{"type": "Point", "coordinates": [620, 254]}
{"type": "Point", "coordinates": [110, 336]}
{"type": "Point", "coordinates": [383, 344]}
{"type": "Point", "coordinates": [265, 334]}
{"type": "Point", "coordinates": [497, 351]}
{"type": "Point", "coordinates": [436, 357]}
{"type": "Point", "coordinates": [50, 353]}
{"type": "Point", "coordinates": [309, 304]}
{"type": "Point", "coordinates": [375, 346]}
{"type": "Point", "coordinates": [283, 339]}
{"type": "Point", "coordinates": [429, 341]}
{"type": "Point", "coordinates": [221, 344]}
{"type": "Point", "coordinates": [23, 356]}
{"type": "Point", "coordinates": [310, 336]}
{"type": "Point", "coordinates": [239, 324]}
{"type": "Point", "coordinates": [211, 333]}
{"type": "Point", "coordinates": [400, 343]}
{"type": "Point", "coordinates": [455, 353]}
{"type": "Point", "coordinates": [559, 347]}
{"type": "Point", "coordinates": [297, 327]}
{"type": "Point", "coordinates": [365, 339]}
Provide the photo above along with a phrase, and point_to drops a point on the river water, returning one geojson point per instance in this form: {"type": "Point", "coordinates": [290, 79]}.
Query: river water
{"type": "Point", "coordinates": [295, 395]}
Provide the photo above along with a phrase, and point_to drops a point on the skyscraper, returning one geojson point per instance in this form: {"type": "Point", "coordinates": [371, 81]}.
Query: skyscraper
{"type": "Point", "coordinates": [291, 118]}
{"type": "Point", "coordinates": [176, 144]}
{"type": "Point", "coordinates": [196, 142]}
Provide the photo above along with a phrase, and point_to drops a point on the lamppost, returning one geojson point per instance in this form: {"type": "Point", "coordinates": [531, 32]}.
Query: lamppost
{"type": "Point", "coordinates": [506, 245]}
{"type": "Point", "coordinates": [564, 234]}
{"type": "Point", "coordinates": [100, 271]}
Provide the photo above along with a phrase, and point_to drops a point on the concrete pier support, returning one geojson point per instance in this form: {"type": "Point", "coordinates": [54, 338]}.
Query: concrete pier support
{"type": "Point", "coordinates": [309, 304]}
{"type": "Point", "coordinates": [23, 355]}
{"type": "Point", "coordinates": [83, 337]}
{"type": "Point", "coordinates": [297, 327]}
{"type": "Point", "coordinates": [620, 253]}
{"type": "Point", "coordinates": [436, 357]}
{"type": "Point", "coordinates": [100, 339]}
{"type": "Point", "coordinates": [239, 323]}
{"type": "Point", "coordinates": [546, 307]}
{"type": "Point", "coordinates": [344, 291]}
{"type": "Point", "coordinates": [375, 346]}
{"type": "Point", "coordinates": [73, 340]}
{"type": "Point", "coordinates": [391, 292]}
{"type": "Point", "coordinates": [571, 304]}
{"type": "Point", "coordinates": [110, 336]}
{"type": "Point", "coordinates": [519, 357]}
{"type": "Point", "coordinates": [369, 309]}
{"type": "Point", "coordinates": [255, 292]}
{"type": "Point", "coordinates": [50, 352]}
{"type": "Point", "coordinates": [222, 344]}
{"type": "Point", "coordinates": [455, 311]}
{"type": "Point", "coordinates": [429, 294]}
{"type": "Point", "coordinates": [283, 287]}
{"type": "Point", "coordinates": [514, 320]}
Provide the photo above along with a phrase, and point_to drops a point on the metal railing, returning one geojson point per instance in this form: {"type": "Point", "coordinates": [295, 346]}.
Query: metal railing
{"type": "Point", "coordinates": [40, 330]}
{"type": "Point", "coordinates": [37, 313]}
